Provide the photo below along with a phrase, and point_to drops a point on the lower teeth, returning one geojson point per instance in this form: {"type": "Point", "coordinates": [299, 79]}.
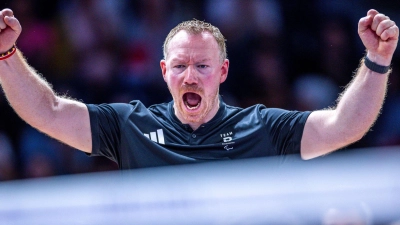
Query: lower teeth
{"type": "Point", "coordinates": [194, 107]}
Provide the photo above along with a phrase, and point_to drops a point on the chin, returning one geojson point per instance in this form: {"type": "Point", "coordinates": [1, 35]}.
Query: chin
{"type": "Point", "coordinates": [196, 119]}
{"type": "Point", "coordinates": [192, 117]}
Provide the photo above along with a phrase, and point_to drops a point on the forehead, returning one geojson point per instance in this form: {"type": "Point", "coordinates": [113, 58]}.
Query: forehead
{"type": "Point", "coordinates": [202, 43]}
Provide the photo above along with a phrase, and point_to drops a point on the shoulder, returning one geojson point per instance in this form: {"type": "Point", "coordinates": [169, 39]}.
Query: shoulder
{"type": "Point", "coordinates": [283, 116]}
{"type": "Point", "coordinates": [116, 110]}
{"type": "Point", "coordinates": [160, 109]}
{"type": "Point", "coordinates": [271, 114]}
{"type": "Point", "coordinates": [251, 110]}
{"type": "Point", "coordinates": [116, 107]}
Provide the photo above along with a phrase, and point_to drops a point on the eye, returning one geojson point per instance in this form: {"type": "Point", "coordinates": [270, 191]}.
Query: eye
{"type": "Point", "coordinates": [179, 66]}
{"type": "Point", "coordinates": [202, 66]}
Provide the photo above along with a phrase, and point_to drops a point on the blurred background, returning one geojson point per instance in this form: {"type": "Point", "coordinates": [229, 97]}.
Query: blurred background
{"type": "Point", "coordinates": [292, 54]}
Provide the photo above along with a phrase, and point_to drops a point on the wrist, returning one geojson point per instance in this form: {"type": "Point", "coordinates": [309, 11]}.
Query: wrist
{"type": "Point", "coordinates": [8, 53]}
{"type": "Point", "coordinates": [375, 67]}
{"type": "Point", "coordinates": [378, 59]}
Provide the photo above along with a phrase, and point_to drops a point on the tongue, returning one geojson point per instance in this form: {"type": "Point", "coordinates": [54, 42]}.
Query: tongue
{"type": "Point", "coordinates": [192, 99]}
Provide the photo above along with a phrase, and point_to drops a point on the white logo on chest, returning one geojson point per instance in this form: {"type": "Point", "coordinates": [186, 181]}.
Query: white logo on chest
{"type": "Point", "coordinates": [226, 137]}
{"type": "Point", "coordinates": [156, 136]}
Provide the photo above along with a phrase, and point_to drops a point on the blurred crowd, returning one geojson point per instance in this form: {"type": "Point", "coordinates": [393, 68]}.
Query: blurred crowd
{"type": "Point", "coordinates": [292, 54]}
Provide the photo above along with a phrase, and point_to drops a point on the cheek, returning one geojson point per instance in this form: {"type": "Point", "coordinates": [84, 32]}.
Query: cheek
{"type": "Point", "coordinates": [212, 83]}
{"type": "Point", "coordinates": [171, 80]}
{"type": "Point", "coordinates": [173, 85]}
{"type": "Point", "coordinates": [210, 90]}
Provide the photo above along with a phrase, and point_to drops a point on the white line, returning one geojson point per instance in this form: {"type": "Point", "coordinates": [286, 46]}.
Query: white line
{"type": "Point", "coordinates": [160, 135]}
{"type": "Point", "coordinates": [153, 136]}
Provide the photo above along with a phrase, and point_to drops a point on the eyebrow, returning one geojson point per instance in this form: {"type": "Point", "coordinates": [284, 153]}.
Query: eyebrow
{"type": "Point", "coordinates": [178, 59]}
{"type": "Point", "coordinates": [206, 59]}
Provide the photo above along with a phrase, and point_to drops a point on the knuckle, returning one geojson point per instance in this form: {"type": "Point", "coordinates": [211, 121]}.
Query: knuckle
{"type": "Point", "coordinates": [381, 17]}
{"type": "Point", "coordinates": [7, 10]}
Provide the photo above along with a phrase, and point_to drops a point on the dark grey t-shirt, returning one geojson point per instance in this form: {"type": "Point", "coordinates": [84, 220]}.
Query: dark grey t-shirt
{"type": "Point", "coordinates": [135, 136]}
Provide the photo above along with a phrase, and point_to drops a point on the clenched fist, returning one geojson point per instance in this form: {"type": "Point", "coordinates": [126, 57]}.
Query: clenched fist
{"type": "Point", "coordinates": [379, 35]}
{"type": "Point", "coordinates": [10, 29]}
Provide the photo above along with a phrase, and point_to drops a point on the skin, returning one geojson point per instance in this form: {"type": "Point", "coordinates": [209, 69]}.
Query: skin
{"type": "Point", "coordinates": [193, 65]}
{"type": "Point", "coordinates": [33, 99]}
{"type": "Point", "coordinates": [360, 104]}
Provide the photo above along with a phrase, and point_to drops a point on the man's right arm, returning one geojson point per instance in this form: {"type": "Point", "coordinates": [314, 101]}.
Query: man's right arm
{"type": "Point", "coordinates": [33, 98]}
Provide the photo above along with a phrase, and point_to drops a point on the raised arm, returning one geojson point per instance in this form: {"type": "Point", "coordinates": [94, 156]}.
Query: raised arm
{"type": "Point", "coordinates": [33, 98]}
{"type": "Point", "coordinates": [359, 105]}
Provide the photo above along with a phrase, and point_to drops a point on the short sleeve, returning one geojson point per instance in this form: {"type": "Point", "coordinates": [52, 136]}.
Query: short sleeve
{"type": "Point", "coordinates": [286, 128]}
{"type": "Point", "coordinates": [105, 124]}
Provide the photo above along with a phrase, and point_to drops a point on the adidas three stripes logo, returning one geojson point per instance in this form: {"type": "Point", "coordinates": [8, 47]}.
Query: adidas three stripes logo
{"type": "Point", "coordinates": [156, 136]}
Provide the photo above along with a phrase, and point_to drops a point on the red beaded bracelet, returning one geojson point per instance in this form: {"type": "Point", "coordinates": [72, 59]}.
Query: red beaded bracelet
{"type": "Point", "coordinates": [9, 53]}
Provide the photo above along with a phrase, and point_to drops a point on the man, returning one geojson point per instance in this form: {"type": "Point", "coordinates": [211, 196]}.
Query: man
{"type": "Point", "coordinates": [197, 125]}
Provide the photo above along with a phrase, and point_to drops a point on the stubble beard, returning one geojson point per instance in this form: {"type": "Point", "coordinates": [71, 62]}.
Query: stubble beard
{"type": "Point", "coordinates": [208, 103]}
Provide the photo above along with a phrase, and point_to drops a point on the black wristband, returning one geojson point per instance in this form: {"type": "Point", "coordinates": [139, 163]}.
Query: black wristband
{"type": "Point", "coordinates": [375, 67]}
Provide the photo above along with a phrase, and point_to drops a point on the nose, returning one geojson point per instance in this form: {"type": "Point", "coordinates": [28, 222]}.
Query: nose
{"type": "Point", "coordinates": [190, 75]}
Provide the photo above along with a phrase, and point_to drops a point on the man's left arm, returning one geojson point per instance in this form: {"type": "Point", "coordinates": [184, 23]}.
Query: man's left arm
{"type": "Point", "coordinates": [359, 105]}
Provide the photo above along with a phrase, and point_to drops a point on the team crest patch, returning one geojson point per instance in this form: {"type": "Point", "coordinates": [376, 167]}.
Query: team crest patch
{"type": "Point", "coordinates": [227, 140]}
{"type": "Point", "coordinates": [227, 137]}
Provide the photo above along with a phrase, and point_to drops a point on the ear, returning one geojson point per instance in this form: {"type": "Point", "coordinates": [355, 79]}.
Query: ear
{"type": "Point", "coordinates": [224, 71]}
{"type": "Point", "coordinates": [163, 65]}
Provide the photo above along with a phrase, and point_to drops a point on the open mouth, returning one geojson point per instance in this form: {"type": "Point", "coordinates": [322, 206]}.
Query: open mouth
{"type": "Point", "coordinates": [192, 100]}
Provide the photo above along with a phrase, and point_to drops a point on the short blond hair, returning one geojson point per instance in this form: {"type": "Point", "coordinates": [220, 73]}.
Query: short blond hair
{"type": "Point", "coordinates": [196, 27]}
